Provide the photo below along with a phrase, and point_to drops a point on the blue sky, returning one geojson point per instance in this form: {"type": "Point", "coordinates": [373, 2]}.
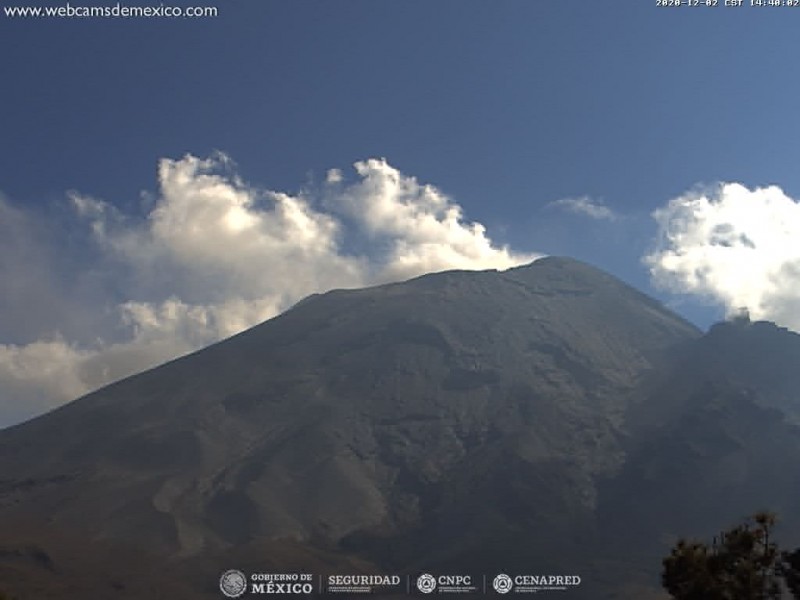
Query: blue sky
{"type": "Point", "coordinates": [528, 115]}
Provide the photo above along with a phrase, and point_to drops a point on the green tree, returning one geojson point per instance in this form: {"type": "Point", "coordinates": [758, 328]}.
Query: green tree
{"type": "Point", "coordinates": [743, 563]}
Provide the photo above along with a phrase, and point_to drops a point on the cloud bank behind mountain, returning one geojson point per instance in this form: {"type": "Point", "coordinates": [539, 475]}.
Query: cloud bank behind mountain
{"type": "Point", "coordinates": [98, 293]}
{"type": "Point", "coordinates": [732, 246]}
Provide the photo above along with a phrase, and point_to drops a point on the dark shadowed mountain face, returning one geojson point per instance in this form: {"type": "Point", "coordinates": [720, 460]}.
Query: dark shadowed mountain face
{"type": "Point", "coordinates": [544, 419]}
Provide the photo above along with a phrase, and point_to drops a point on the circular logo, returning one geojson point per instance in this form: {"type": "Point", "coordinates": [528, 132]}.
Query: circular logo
{"type": "Point", "coordinates": [426, 583]}
{"type": "Point", "coordinates": [502, 584]}
{"type": "Point", "coordinates": [233, 583]}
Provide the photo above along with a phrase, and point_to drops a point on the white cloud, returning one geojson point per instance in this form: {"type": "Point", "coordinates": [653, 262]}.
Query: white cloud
{"type": "Point", "coordinates": [585, 206]}
{"type": "Point", "coordinates": [423, 228]}
{"type": "Point", "coordinates": [334, 176]}
{"type": "Point", "coordinates": [38, 376]}
{"type": "Point", "coordinates": [734, 246]}
{"type": "Point", "coordinates": [211, 257]}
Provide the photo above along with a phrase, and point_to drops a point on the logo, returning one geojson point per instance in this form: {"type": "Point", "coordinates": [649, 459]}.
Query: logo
{"type": "Point", "coordinates": [426, 583]}
{"type": "Point", "coordinates": [362, 584]}
{"type": "Point", "coordinates": [502, 584]}
{"type": "Point", "coordinates": [446, 584]}
{"type": "Point", "coordinates": [537, 583]}
{"type": "Point", "coordinates": [233, 583]}
{"type": "Point", "coordinates": [281, 583]}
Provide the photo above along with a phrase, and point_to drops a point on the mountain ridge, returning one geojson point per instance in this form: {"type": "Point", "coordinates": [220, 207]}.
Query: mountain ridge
{"type": "Point", "coordinates": [441, 422]}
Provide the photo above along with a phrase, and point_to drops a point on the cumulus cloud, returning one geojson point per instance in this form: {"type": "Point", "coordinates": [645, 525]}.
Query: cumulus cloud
{"type": "Point", "coordinates": [38, 376]}
{"type": "Point", "coordinates": [422, 229]}
{"type": "Point", "coordinates": [734, 246]}
{"type": "Point", "coordinates": [585, 206]}
{"type": "Point", "coordinates": [210, 257]}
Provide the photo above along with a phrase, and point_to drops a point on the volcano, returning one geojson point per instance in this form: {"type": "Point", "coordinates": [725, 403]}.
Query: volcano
{"type": "Point", "coordinates": [544, 419]}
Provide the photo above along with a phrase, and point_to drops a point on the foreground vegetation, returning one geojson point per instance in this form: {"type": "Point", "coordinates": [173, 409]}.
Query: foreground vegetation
{"type": "Point", "coordinates": [742, 563]}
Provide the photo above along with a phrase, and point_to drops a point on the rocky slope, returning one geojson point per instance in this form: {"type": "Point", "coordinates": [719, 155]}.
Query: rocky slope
{"type": "Point", "coordinates": [546, 418]}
